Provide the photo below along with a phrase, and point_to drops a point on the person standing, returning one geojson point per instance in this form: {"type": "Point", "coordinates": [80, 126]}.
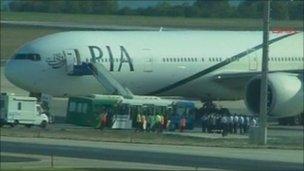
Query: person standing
{"type": "Point", "coordinates": [152, 122]}
{"type": "Point", "coordinates": [224, 123]}
{"type": "Point", "coordinates": [138, 122]}
{"type": "Point", "coordinates": [204, 121]}
{"type": "Point", "coordinates": [162, 123]}
{"type": "Point", "coordinates": [144, 122]}
{"type": "Point", "coordinates": [209, 124]}
{"type": "Point", "coordinates": [103, 120]}
{"type": "Point", "coordinates": [241, 124]}
{"type": "Point", "coordinates": [213, 127]}
{"type": "Point", "coordinates": [235, 123]}
{"type": "Point", "coordinates": [182, 123]}
{"type": "Point", "coordinates": [148, 122]}
{"type": "Point", "coordinates": [253, 122]}
{"type": "Point", "coordinates": [230, 123]}
{"type": "Point", "coordinates": [246, 124]}
{"type": "Point", "coordinates": [158, 122]}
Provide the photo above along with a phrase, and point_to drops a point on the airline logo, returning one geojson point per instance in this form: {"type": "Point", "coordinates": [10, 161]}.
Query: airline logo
{"type": "Point", "coordinates": [96, 56]}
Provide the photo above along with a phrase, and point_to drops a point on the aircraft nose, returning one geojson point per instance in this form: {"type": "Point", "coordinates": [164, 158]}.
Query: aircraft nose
{"type": "Point", "coordinates": [11, 72]}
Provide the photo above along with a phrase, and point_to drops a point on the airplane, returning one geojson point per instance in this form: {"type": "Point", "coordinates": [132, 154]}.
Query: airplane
{"type": "Point", "coordinates": [216, 65]}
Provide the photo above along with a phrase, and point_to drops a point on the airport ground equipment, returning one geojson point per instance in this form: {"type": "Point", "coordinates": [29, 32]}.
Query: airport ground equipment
{"type": "Point", "coordinates": [86, 110]}
{"type": "Point", "coordinates": [102, 75]}
{"type": "Point", "coordinates": [122, 112]}
{"type": "Point", "coordinates": [183, 108]}
{"type": "Point", "coordinates": [21, 110]}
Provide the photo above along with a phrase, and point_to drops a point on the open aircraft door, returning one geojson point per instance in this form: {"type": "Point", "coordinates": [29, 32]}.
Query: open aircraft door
{"type": "Point", "coordinates": [148, 60]}
{"type": "Point", "coordinates": [253, 62]}
{"type": "Point", "coordinates": [72, 58]}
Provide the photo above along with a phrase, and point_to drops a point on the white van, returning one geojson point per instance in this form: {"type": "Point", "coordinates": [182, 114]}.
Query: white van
{"type": "Point", "coordinates": [21, 110]}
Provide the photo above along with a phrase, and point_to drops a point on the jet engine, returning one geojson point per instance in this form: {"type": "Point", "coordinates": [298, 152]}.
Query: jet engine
{"type": "Point", "coordinates": [285, 95]}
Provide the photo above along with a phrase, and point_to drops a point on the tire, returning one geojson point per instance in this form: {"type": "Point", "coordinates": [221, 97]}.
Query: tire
{"type": "Point", "coordinates": [16, 122]}
{"type": "Point", "coordinates": [28, 126]}
{"type": "Point", "coordinates": [43, 124]}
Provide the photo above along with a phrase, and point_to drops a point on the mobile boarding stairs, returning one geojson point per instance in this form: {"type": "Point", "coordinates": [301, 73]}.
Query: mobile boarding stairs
{"type": "Point", "coordinates": [104, 77]}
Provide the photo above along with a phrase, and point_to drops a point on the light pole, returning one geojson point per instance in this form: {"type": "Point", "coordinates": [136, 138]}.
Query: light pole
{"type": "Point", "coordinates": [264, 80]}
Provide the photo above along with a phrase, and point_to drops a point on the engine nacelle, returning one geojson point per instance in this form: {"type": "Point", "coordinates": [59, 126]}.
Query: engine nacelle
{"type": "Point", "coordinates": [285, 95]}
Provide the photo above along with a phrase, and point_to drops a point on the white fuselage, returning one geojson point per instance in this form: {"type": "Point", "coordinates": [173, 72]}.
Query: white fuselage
{"type": "Point", "coordinates": [161, 63]}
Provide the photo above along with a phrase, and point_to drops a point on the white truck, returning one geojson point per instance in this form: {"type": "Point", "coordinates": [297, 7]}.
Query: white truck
{"type": "Point", "coordinates": [21, 110]}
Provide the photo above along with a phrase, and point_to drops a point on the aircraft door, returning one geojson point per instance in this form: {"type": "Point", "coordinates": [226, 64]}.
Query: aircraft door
{"type": "Point", "coordinates": [253, 62]}
{"type": "Point", "coordinates": [72, 58]}
{"type": "Point", "coordinates": [148, 61]}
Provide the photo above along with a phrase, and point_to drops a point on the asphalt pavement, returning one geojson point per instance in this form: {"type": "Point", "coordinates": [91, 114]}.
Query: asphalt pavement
{"type": "Point", "coordinates": [142, 154]}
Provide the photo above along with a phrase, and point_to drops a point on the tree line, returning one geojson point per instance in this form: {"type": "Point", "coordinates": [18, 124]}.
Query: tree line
{"type": "Point", "coordinates": [280, 9]}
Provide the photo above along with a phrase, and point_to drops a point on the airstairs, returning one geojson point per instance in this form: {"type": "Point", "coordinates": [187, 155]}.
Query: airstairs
{"type": "Point", "coordinates": [104, 77]}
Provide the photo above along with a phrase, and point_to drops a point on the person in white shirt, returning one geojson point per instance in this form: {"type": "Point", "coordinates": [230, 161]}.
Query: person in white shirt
{"type": "Point", "coordinates": [241, 124]}
{"type": "Point", "coordinates": [235, 123]}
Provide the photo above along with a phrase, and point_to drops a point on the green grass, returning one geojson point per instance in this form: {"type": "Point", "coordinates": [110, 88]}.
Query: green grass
{"type": "Point", "coordinates": [180, 22]}
{"type": "Point", "coordinates": [13, 37]}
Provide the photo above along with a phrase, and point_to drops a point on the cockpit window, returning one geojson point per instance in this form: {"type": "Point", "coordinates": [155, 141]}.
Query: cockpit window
{"type": "Point", "coordinates": [29, 56]}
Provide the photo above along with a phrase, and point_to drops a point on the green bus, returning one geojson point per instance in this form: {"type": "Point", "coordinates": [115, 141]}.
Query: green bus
{"type": "Point", "coordinates": [86, 110]}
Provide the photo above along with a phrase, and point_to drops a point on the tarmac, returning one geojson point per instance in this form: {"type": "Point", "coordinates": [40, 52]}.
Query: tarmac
{"type": "Point", "coordinates": [57, 153]}
{"type": "Point", "coordinates": [143, 156]}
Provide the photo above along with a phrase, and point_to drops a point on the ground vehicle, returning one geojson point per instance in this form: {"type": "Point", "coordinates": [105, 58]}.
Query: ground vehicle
{"type": "Point", "coordinates": [183, 108]}
{"type": "Point", "coordinates": [86, 110]}
{"type": "Point", "coordinates": [22, 110]}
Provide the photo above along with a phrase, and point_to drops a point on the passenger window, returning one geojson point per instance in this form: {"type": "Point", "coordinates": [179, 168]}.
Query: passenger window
{"type": "Point", "coordinates": [79, 106]}
{"type": "Point", "coordinates": [72, 107]}
{"type": "Point", "coordinates": [84, 108]}
{"type": "Point", "coordinates": [202, 59]}
{"type": "Point", "coordinates": [19, 106]}
{"type": "Point", "coordinates": [182, 60]}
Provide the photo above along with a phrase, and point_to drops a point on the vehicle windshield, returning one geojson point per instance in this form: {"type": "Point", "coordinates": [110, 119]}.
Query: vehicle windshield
{"type": "Point", "coordinates": [39, 110]}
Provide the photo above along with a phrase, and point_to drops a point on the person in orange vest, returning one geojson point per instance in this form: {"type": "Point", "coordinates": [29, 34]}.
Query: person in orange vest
{"type": "Point", "coordinates": [182, 123]}
{"type": "Point", "coordinates": [102, 120]}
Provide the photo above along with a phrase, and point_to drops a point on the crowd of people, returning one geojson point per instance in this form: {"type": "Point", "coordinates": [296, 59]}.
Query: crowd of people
{"type": "Point", "coordinates": [210, 122]}
{"type": "Point", "coordinates": [227, 123]}
{"type": "Point", "coordinates": [159, 123]}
